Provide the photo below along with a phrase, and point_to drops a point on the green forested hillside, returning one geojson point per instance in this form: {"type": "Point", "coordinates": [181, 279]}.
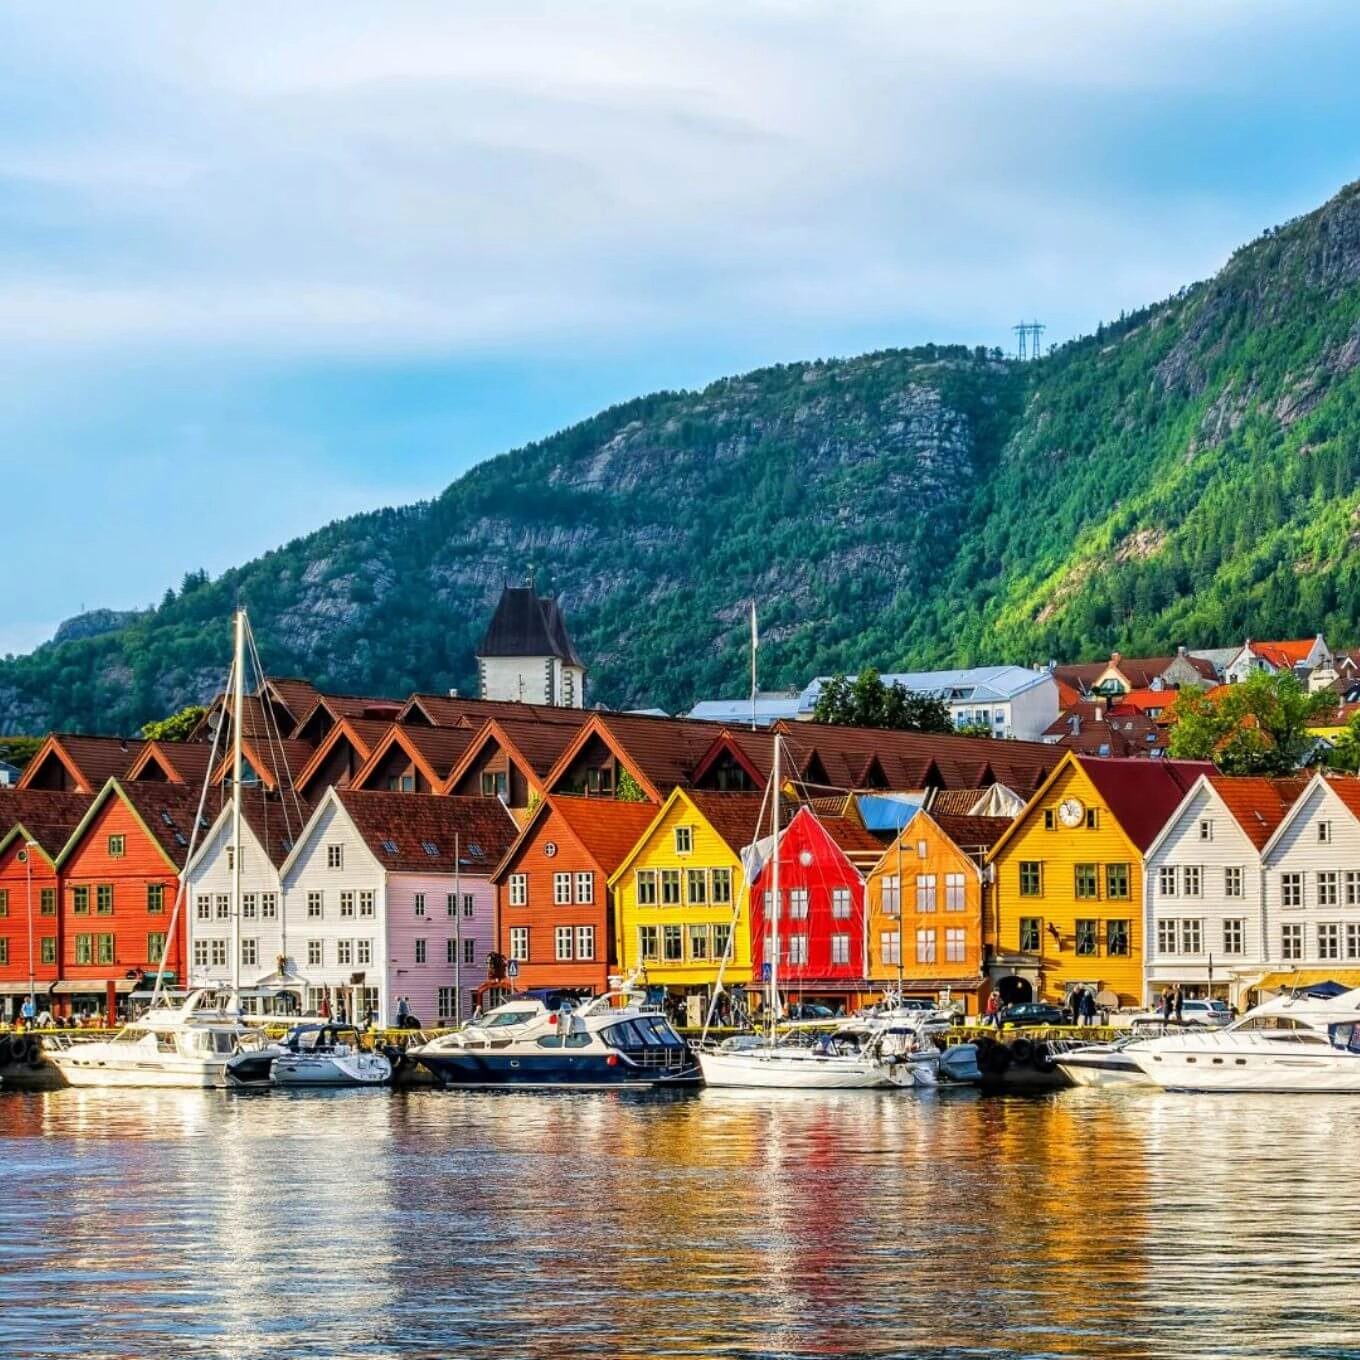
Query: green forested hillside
{"type": "Point", "coordinates": [1186, 474]}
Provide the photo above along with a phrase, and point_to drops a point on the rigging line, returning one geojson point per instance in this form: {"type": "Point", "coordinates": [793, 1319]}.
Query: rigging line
{"type": "Point", "coordinates": [189, 853]}
{"type": "Point", "coordinates": [272, 733]}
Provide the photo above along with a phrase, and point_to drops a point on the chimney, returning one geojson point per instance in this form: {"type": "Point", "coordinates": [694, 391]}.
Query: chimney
{"type": "Point", "coordinates": [453, 693]}
{"type": "Point", "coordinates": [1180, 651]}
{"type": "Point", "coordinates": [1100, 711]}
{"type": "Point", "coordinates": [1074, 723]}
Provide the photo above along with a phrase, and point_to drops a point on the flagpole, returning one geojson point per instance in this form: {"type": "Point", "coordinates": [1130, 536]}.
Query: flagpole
{"type": "Point", "coordinates": [755, 644]}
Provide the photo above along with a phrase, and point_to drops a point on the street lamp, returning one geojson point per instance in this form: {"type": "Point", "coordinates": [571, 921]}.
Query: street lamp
{"type": "Point", "coordinates": [27, 856]}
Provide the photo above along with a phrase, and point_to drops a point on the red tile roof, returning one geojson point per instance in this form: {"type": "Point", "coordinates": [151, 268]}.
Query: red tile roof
{"type": "Point", "coordinates": [446, 710]}
{"type": "Point", "coordinates": [184, 762]}
{"type": "Point", "coordinates": [972, 833]}
{"type": "Point", "coordinates": [1142, 794]}
{"type": "Point", "coordinates": [606, 828]}
{"type": "Point", "coordinates": [1258, 805]}
{"type": "Point", "coordinates": [397, 828]}
{"type": "Point", "coordinates": [168, 811]}
{"type": "Point", "coordinates": [93, 760]}
{"type": "Point", "coordinates": [47, 816]}
{"type": "Point", "coordinates": [733, 816]}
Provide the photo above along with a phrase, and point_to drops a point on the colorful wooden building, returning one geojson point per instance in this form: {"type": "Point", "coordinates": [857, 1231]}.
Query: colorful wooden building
{"type": "Point", "coordinates": [553, 901]}
{"type": "Point", "coordinates": [823, 954]}
{"type": "Point", "coordinates": [681, 894]}
{"type": "Point", "coordinates": [926, 900]}
{"type": "Point", "coordinates": [1069, 879]}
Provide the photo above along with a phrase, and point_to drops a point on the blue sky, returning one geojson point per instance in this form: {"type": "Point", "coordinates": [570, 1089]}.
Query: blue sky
{"type": "Point", "coordinates": [264, 265]}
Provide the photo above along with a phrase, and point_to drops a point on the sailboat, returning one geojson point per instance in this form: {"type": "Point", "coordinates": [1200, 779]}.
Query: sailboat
{"type": "Point", "coordinates": [767, 1063]}
{"type": "Point", "coordinates": [189, 1044]}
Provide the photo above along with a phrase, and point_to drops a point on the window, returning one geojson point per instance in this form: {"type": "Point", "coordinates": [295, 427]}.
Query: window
{"type": "Point", "coordinates": [1352, 888]}
{"type": "Point", "coordinates": [1234, 936]}
{"type": "Point", "coordinates": [955, 944]}
{"type": "Point", "coordinates": [200, 952]}
{"type": "Point", "coordinates": [646, 887]}
{"type": "Point", "coordinates": [922, 849]}
{"type": "Point", "coordinates": [722, 887]}
{"type": "Point", "coordinates": [892, 895]}
{"type": "Point", "coordinates": [798, 904]}
{"type": "Point", "coordinates": [1086, 877]}
{"type": "Point", "coordinates": [450, 951]}
{"type": "Point", "coordinates": [840, 903]}
{"type": "Point", "coordinates": [1117, 938]}
{"type": "Point", "coordinates": [585, 888]}
{"type": "Point", "coordinates": [672, 944]}
{"type": "Point", "coordinates": [420, 904]}
{"type": "Point", "coordinates": [1086, 937]}
{"type": "Point", "coordinates": [421, 951]}
{"type": "Point", "coordinates": [647, 943]}
{"type": "Point", "coordinates": [722, 940]}
{"type": "Point", "coordinates": [585, 942]}
{"type": "Point", "coordinates": [250, 953]}
{"type": "Point", "coordinates": [519, 943]}
{"type": "Point", "coordinates": [117, 847]}
{"type": "Point", "coordinates": [562, 942]}
{"type": "Point", "coordinates": [1092, 819]}
{"type": "Point", "coordinates": [231, 857]}
{"type": "Point", "coordinates": [222, 906]}
{"type": "Point", "coordinates": [1166, 880]}
{"type": "Point", "coordinates": [698, 944]}
{"type": "Point", "coordinates": [670, 887]}
{"type": "Point", "coordinates": [925, 892]}
{"type": "Point", "coordinates": [840, 949]}
{"type": "Point", "coordinates": [316, 953]}
{"type": "Point", "coordinates": [1291, 941]}
{"type": "Point", "coordinates": [798, 949]}
{"type": "Point", "coordinates": [562, 889]}
{"type": "Point", "coordinates": [344, 951]}
{"type": "Point", "coordinates": [1117, 882]}
{"type": "Point", "coordinates": [85, 949]}
{"type": "Point", "coordinates": [1324, 833]}
{"type": "Point", "coordinates": [315, 906]}
{"type": "Point", "coordinates": [954, 892]}
{"type": "Point", "coordinates": [47, 902]}
{"type": "Point", "coordinates": [1029, 934]}
{"type": "Point", "coordinates": [447, 1004]}
{"type": "Point", "coordinates": [1191, 936]}
{"type": "Point", "coordinates": [269, 906]}
{"type": "Point", "coordinates": [696, 887]}
{"type": "Point", "coordinates": [430, 848]}
{"type": "Point", "coordinates": [1031, 878]}
{"type": "Point", "coordinates": [48, 946]}
{"type": "Point", "coordinates": [469, 905]}
{"type": "Point", "coordinates": [1353, 940]}
{"type": "Point", "coordinates": [1192, 877]}
{"type": "Point", "coordinates": [890, 946]}
{"type": "Point", "coordinates": [335, 857]}
{"type": "Point", "coordinates": [1329, 940]}
{"type": "Point", "coordinates": [363, 951]}
{"type": "Point", "coordinates": [368, 900]}
{"type": "Point", "coordinates": [1291, 890]}
{"type": "Point", "coordinates": [1233, 881]}
{"type": "Point", "coordinates": [925, 946]}
{"type": "Point", "coordinates": [1206, 829]}
{"type": "Point", "coordinates": [470, 948]}
{"type": "Point", "coordinates": [346, 904]}
{"type": "Point", "coordinates": [519, 890]}
{"type": "Point", "coordinates": [250, 906]}
{"type": "Point", "coordinates": [684, 840]}
{"type": "Point", "coordinates": [217, 952]}
{"type": "Point", "coordinates": [103, 899]}
{"type": "Point", "coordinates": [1050, 819]}
{"type": "Point", "coordinates": [1327, 888]}
{"type": "Point", "coordinates": [1167, 936]}
{"type": "Point", "coordinates": [80, 902]}
{"type": "Point", "coordinates": [495, 783]}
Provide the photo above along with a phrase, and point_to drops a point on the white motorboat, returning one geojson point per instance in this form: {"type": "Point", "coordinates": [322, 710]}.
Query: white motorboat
{"type": "Point", "coordinates": [1101, 1065]}
{"type": "Point", "coordinates": [330, 1055]}
{"type": "Point", "coordinates": [1294, 1044]}
{"type": "Point", "coordinates": [182, 1046]}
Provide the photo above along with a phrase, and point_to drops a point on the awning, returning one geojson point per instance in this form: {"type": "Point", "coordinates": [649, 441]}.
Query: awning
{"type": "Point", "coordinates": [94, 987]}
{"type": "Point", "coordinates": [1300, 979]}
{"type": "Point", "coordinates": [40, 988]}
{"type": "Point", "coordinates": [971, 983]}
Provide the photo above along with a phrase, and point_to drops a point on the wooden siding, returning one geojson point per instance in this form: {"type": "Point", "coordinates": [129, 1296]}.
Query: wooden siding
{"type": "Point", "coordinates": [420, 982]}
{"type": "Point", "coordinates": [15, 881]}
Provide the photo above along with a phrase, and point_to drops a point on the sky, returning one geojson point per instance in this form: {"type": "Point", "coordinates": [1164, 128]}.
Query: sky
{"type": "Point", "coordinates": [262, 266]}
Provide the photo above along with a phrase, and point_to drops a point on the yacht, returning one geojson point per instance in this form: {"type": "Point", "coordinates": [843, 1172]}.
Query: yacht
{"type": "Point", "coordinates": [1294, 1043]}
{"type": "Point", "coordinates": [314, 1054]}
{"type": "Point", "coordinates": [184, 1046]}
{"type": "Point", "coordinates": [610, 1040]}
{"type": "Point", "coordinates": [1102, 1065]}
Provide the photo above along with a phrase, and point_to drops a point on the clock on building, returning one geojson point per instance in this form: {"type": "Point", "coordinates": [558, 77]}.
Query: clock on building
{"type": "Point", "coordinates": [1071, 811]}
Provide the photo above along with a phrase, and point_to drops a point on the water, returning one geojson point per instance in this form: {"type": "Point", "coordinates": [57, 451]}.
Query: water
{"type": "Point", "coordinates": [427, 1223]}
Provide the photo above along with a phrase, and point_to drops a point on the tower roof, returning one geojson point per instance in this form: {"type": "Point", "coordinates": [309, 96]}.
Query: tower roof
{"type": "Point", "coordinates": [528, 624]}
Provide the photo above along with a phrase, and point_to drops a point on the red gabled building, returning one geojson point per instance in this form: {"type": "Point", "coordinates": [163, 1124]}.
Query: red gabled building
{"type": "Point", "coordinates": [35, 825]}
{"type": "Point", "coordinates": [823, 862]}
{"type": "Point", "coordinates": [119, 877]}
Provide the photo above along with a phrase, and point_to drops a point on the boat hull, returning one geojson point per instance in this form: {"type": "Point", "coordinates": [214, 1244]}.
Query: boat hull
{"type": "Point", "coordinates": [292, 1070]}
{"type": "Point", "coordinates": [1106, 1069]}
{"type": "Point", "coordinates": [1238, 1072]}
{"type": "Point", "coordinates": [768, 1069]}
{"type": "Point", "coordinates": [91, 1069]}
{"type": "Point", "coordinates": [468, 1067]}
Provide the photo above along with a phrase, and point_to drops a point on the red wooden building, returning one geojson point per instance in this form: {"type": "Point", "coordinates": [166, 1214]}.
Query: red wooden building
{"type": "Point", "coordinates": [119, 876]}
{"type": "Point", "coordinates": [822, 865]}
{"type": "Point", "coordinates": [554, 910]}
{"type": "Point", "coordinates": [35, 825]}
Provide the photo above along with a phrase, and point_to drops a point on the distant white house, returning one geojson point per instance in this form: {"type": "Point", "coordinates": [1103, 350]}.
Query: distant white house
{"type": "Point", "coordinates": [9, 774]}
{"type": "Point", "coordinates": [771, 706]}
{"type": "Point", "coordinates": [1303, 656]}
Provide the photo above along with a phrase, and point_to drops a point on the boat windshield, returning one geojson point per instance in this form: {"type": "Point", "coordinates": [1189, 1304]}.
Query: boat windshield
{"type": "Point", "coordinates": [643, 1031]}
{"type": "Point", "coordinates": [502, 1019]}
{"type": "Point", "coordinates": [129, 1036]}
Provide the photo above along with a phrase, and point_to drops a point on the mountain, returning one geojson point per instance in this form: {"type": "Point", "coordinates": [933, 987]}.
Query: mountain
{"type": "Point", "coordinates": [1186, 473]}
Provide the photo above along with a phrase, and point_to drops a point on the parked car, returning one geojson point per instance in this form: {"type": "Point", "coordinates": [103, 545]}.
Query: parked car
{"type": "Point", "coordinates": [1033, 1013]}
{"type": "Point", "coordinates": [808, 1010]}
{"type": "Point", "coordinates": [1212, 1014]}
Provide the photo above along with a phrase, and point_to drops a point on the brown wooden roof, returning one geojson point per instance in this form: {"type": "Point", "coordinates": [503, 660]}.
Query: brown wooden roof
{"type": "Point", "coordinates": [398, 828]}
{"type": "Point", "coordinates": [446, 710]}
{"type": "Point", "coordinates": [184, 762]}
{"type": "Point", "coordinates": [91, 760]}
{"type": "Point", "coordinates": [47, 816]}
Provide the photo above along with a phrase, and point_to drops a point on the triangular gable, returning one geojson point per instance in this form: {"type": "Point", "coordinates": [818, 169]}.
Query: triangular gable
{"type": "Point", "coordinates": [1296, 811]}
{"type": "Point", "coordinates": [725, 745]}
{"type": "Point", "coordinates": [677, 795]}
{"type": "Point", "coordinates": [209, 838]}
{"type": "Point", "coordinates": [491, 731]}
{"type": "Point", "coordinates": [113, 789]}
{"type": "Point", "coordinates": [598, 730]}
{"type": "Point", "coordinates": [343, 731]}
{"type": "Point", "coordinates": [331, 799]}
{"type": "Point", "coordinates": [543, 809]}
{"type": "Point", "coordinates": [1069, 761]}
{"type": "Point", "coordinates": [19, 829]}
{"type": "Point", "coordinates": [52, 750]}
{"type": "Point", "coordinates": [894, 854]}
{"type": "Point", "coordinates": [396, 736]}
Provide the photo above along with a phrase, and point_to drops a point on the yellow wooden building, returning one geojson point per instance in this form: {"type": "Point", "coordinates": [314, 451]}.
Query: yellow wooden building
{"type": "Point", "coordinates": [681, 893]}
{"type": "Point", "coordinates": [1068, 887]}
{"type": "Point", "coordinates": [924, 901]}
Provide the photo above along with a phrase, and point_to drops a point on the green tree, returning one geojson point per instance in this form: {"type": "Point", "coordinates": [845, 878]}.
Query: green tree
{"type": "Point", "coordinates": [1345, 754]}
{"type": "Point", "coordinates": [1257, 727]}
{"type": "Point", "coordinates": [867, 702]}
{"type": "Point", "coordinates": [19, 751]}
{"type": "Point", "coordinates": [177, 727]}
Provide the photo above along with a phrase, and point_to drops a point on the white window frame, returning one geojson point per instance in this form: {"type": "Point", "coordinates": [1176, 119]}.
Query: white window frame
{"type": "Point", "coordinates": [519, 943]}
{"type": "Point", "coordinates": [519, 890]}
{"type": "Point", "coordinates": [562, 944]}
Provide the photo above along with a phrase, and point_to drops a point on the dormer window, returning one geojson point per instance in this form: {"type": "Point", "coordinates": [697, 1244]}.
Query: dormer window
{"type": "Point", "coordinates": [390, 846]}
{"type": "Point", "coordinates": [1324, 833]}
{"type": "Point", "coordinates": [684, 840]}
{"type": "Point", "coordinates": [430, 848]}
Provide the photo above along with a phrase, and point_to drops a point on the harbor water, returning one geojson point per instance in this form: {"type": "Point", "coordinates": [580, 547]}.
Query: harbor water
{"type": "Point", "coordinates": [428, 1223]}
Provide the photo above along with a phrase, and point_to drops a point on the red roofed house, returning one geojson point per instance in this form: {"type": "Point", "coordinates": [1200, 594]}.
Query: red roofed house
{"type": "Point", "coordinates": [77, 763]}
{"type": "Point", "coordinates": [1302, 656]}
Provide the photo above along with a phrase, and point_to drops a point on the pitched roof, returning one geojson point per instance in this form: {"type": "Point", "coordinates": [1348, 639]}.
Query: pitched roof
{"type": "Point", "coordinates": [528, 624]}
{"type": "Point", "coordinates": [953, 803]}
{"type": "Point", "coordinates": [47, 816]}
{"type": "Point", "coordinates": [166, 810]}
{"type": "Point", "coordinates": [535, 747]}
{"type": "Point", "coordinates": [402, 830]}
{"type": "Point", "coordinates": [734, 817]}
{"type": "Point", "coordinates": [183, 762]}
{"type": "Point", "coordinates": [1124, 730]}
{"type": "Point", "coordinates": [362, 734]}
{"type": "Point", "coordinates": [1257, 804]}
{"type": "Point", "coordinates": [662, 752]}
{"type": "Point", "coordinates": [296, 695]}
{"type": "Point", "coordinates": [91, 760]}
{"type": "Point", "coordinates": [606, 828]}
{"type": "Point", "coordinates": [274, 762]}
{"type": "Point", "coordinates": [451, 710]}
{"type": "Point", "coordinates": [972, 833]}
{"type": "Point", "coordinates": [1142, 794]}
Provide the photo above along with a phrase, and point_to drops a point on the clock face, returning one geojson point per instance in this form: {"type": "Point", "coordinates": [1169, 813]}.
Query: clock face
{"type": "Point", "coordinates": [1070, 812]}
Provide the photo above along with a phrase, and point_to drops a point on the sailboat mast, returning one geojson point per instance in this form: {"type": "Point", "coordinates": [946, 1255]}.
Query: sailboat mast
{"type": "Point", "coordinates": [901, 943]}
{"type": "Point", "coordinates": [238, 698]}
{"type": "Point", "coordinates": [774, 883]}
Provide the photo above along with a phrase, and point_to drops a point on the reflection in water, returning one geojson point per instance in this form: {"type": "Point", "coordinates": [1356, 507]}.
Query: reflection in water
{"type": "Point", "coordinates": [721, 1223]}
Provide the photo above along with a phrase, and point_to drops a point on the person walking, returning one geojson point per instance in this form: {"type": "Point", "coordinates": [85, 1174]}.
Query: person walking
{"type": "Point", "coordinates": [28, 1012]}
{"type": "Point", "coordinates": [403, 1010]}
{"type": "Point", "coordinates": [1166, 1004]}
{"type": "Point", "coordinates": [1180, 1004]}
{"type": "Point", "coordinates": [324, 1009]}
{"type": "Point", "coordinates": [994, 1010]}
{"type": "Point", "coordinates": [1088, 1008]}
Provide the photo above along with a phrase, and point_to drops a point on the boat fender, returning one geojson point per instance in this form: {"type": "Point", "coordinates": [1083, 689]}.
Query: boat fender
{"type": "Point", "coordinates": [20, 1050]}
{"type": "Point", "coordinates": [1022, 1051]}
{"type": "Point", "coordinates": [1044, 1060]}
{"type": "Point", "coordinates": [612, 1060]}
{"type": "Point", "coordinates": [5, 1045]}
{"type": "Point", "coordinates": [992, 1058]}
